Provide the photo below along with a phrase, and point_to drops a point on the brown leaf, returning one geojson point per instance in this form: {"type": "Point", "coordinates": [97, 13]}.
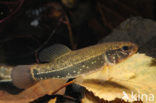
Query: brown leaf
{"type": "Point", "coordinates": [89, 97]}
{"type": "Point", "coordinates": [40, 89]}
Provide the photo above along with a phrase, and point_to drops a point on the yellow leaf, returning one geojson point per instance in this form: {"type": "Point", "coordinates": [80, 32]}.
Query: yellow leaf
{"type": "Point", "coordinates": [133, 79]}
{"type": "Point", "coordinates": [52, 100]}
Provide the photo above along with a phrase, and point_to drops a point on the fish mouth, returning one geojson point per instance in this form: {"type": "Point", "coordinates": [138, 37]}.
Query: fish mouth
{"type": "Point", "coordinates": [133, 49]}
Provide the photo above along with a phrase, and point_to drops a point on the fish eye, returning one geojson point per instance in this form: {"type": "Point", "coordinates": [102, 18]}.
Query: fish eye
{"type": "Point", "coordinates": [125, 48]}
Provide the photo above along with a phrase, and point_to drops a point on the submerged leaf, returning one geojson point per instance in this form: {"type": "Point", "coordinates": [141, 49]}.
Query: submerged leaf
{"type": "Point", "coordinates": [40, 89]}
{"type": "Point", "coordinates": [89, 97]}
{"type": "Point", "coordinates": [52, 100]}
{"type": "Point", "coordinates": [132, 80]}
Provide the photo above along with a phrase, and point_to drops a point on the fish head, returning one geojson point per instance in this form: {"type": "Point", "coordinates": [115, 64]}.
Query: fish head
{"type": "Point", "coordinates": [119, 51]}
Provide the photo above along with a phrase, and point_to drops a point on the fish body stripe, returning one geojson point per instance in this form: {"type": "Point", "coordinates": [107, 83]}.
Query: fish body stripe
{"type": "Point", "coordinates": [72, 71]}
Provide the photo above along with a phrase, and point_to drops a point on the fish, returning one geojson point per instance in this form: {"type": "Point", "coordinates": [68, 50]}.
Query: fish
{"type": "Point", "coordinates": [61, 62]}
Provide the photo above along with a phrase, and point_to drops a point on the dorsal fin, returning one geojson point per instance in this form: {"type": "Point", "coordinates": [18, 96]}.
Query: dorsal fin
{"type": "Point", "coordinates": [52, 52]}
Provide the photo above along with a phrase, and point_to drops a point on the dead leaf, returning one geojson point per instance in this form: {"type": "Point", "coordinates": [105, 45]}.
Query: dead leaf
{"type": "Point", "coordinates": [89, 97]}
{"type": "Point", "coordinates": [38, 90]}
{"type": "Point", "coordinates": [52, 100]}
{"type": "Point", "coordinates": [133, 79]}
